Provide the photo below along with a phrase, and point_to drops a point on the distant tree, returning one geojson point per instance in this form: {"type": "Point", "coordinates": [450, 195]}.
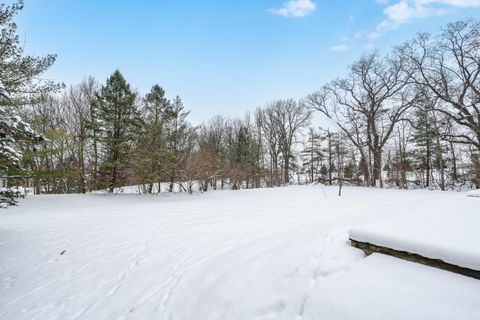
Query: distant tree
{"type": "Point", "coordinates": [242, 151]}
{"type": "Point", "coordinates": [448, 66]}
{"type": "Point", "coordinates": [200, 167]}
{"type": "Point", "coordinates": [367, 105]}
{"type": "Point", "coordinates": [118, 121]}
{"type": "Point", "coordinates": [77, 105]}
{"type": "Point", "coordinates": [179, 137]}
{"type": "Point", "coordinates": [266, 119]}
{"type": "Point", "coordinates": [284, 119]}
{"type": "Point", "coordinates": [313, 154]}
{"type": "Point", "coordinates": [400, 164]}
{"type": "Point", "coordinates": [214, 135]}
{"type": "Point", "coordinates": [340, 152]}
{"type": "Point", "coordinates": [49, 163]}
{"type": "Point", "coordinates": [150, 153]}
{"type": "Point", "coordinates": [330, 156]}
{"type": "Point", "coordinates": [427, 139]}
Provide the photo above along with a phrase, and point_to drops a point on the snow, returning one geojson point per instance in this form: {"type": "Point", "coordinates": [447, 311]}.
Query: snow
{"type": "Point", "coordinates": [474, 193]}
{"type": "Point", "coordinates": [382, 287]}
{"type": "Point", "coordinates": [250, 254]}
{"type": "Point", "coordinates": [437, 232]}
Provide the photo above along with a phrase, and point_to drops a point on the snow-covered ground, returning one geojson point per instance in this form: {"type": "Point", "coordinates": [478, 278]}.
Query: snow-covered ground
{"type": "Point", "coordinates": [474, 193]}
{"type": "Point", "coordinates": [430, 231]}
{"type": "Point", "coordinates": [253, 254]}
{"type": "Point", "coordinates": [382, 287]}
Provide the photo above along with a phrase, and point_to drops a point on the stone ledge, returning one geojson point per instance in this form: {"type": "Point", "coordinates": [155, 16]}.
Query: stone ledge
{"type": "Point", "coordinates": [369, 248]}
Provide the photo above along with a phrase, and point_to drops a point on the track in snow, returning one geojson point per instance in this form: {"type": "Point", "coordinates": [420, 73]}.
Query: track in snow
{"type": "Point", "coordinates": [253, 254]}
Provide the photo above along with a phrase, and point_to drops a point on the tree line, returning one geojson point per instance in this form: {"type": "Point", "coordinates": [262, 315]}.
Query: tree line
{"type": "Point", "coordinates": [410, 117]}
{"type": "Point", "coordinates": [104, 137]}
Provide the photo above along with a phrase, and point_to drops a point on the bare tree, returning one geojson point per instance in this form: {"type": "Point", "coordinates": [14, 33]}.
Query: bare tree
{"type": "Point", "coordinates": [449, 66]}
{"type": "Point", "coordinates": [266, 120]}
{"type": "Point", "coordinates": [367, 104]}
{"type": "Point", "coordinates": [283, 121]}
{"type": "Point", "coordinates": [212, 134]}
{"type": "Point", "coordinates": [77, 104]}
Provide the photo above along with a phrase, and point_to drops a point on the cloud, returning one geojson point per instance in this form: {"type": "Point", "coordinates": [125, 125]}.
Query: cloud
{"type": "Point", "coordinates": [295, 8]}
{"type": "Point", "coordinates": [347, 41]}
{"type": "Point", "coordinates": [339, 48]}
{"type": "Point", "coordinates": [404, 11]}
{"type": "Point", "coordinates": [453, 3]}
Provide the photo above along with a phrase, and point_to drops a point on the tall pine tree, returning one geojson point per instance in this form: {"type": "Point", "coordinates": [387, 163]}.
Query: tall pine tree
{"type": "Point", "coordinates": [179, 136]}
{"type": "Point", "coordinates": [426, 136]}
{"type": "Point", "coordinates": [151, 145]}
{"type": "Point", "coordinates": [118, 121]}
{"type": "Point", "coordinates": [312, 154]}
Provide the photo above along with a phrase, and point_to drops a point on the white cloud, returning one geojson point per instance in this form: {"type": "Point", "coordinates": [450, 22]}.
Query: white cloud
{"type": "Point", "coordinates": [339, 48]}
{"type": "Point", "coordinates": [295, 8]}
{"type": "Point", "coordinates": [404, 11]}
{"type": "Point", "coordinates": [347, 41]}
{"type": "Point", "coordinates": [453, 3]}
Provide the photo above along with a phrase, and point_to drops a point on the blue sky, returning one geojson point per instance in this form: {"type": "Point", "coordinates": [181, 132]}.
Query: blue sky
{"type": "Point", "coordinates": [224, 57]}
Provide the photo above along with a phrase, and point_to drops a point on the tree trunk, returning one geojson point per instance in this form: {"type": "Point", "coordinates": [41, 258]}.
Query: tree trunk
{"type": "Point", "coordinates": [454, 162]}
{"type": "Point", "coordinates": [439, 153]}
{"type": "Point", "coordinates": [172, 181]}
{"type": "Point", "coordinates": [330, 158]}
{"type": "Point", "coordinates": [427, 164]}
{"type": "Point", "coordinates": [81, 163]}
{"type": "Point", "coordinates": [286, 172]}
{"type": "Point", "coordinates": [377, 167]}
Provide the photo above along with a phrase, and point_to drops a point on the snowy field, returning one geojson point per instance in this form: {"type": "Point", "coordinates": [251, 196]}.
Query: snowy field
{"type": "Point", "coordinates": [253, 254]}
{"type": "Point", "coordinates": [451, 236]}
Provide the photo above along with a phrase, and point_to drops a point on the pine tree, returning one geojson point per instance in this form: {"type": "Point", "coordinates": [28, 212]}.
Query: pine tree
{"type": "Point", "coordinates": [313, 154]}
{"type": "Point", "coordinates": [329, 150]}
{"type": "Point", "coordinates": [178, 135]}
{"type": "Point", "coordinates": [426, 137]}
{"type": "Point", "coordinates": [48, 166]}
{"type": "Point", "coordinates": [118, 121]}
{"type": "Point", "coordinates": [242, 155]}
{"type": "Point", "coordinates": [19, 86]}
{"type": "Point", "coordinates": [151, 145]}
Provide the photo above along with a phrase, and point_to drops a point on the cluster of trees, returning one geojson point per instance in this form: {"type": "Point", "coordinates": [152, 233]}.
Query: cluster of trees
{"type": "Point", "coordinates": [413, 115]}
{"type": "Point", "coordinates": [255, 151]}
{"type": "Point", "coordinates": [410, 117]}
{"type": "Point", "coordinates": [103, 137]}
{"type": "Point", "coordinates": [106, 137]}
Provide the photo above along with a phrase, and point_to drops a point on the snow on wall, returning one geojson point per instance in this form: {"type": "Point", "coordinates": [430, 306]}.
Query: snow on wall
{"type": "Point", "coordinates": [474, 193]}
{"type": "Point", "coordinates": [437, 232]}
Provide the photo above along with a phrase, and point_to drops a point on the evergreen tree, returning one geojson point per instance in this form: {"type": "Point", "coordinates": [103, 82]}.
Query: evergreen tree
{"type": "Point", "coordinates": [151, 145]}
{"type": "Point", "coordinates": [118, 122]}
{"type": "Point", "coordinates": [313, 154]}
{"type": "Point", "coordinates": [242, 155]}
{"type": "Point", "coordinates": [426, 137]}
{"type": "Point", "coordinates": [329, 151]}
{"type": "Point", "coordinates": [19, 86]}
{"type": "Point", "coordinates": [423, 138]}
{"type": "Point", "coordinates": [48, 165]}
{"type": "Point", "coordinates": [179, 138]}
